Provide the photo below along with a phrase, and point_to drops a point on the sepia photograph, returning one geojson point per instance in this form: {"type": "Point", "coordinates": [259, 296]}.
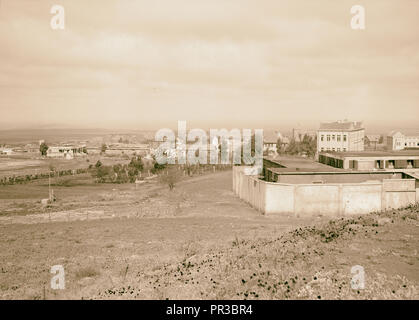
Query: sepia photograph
{"type": "Point", "coordinates": [191, 151]}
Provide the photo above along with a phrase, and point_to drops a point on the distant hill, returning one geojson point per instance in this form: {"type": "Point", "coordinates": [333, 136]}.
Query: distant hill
{"type": "Point", "coordinates": [19, 136]}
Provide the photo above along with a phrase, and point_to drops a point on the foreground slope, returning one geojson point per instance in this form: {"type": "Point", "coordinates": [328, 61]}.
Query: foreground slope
{"type": "Point", "coordinates": [311, 262]}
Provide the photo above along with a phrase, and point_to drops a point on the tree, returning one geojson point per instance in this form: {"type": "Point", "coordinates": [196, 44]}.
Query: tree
{"type": "Point", "coordinates": [101, 173]}
{"type": "Point", "coordinates": [293, 147]}
{"type": "Point", "coordinates": [137, 163]}
{"type": "Point", "coordinates": [157, 166]}
{"type": "Point", "coordinates": [308, 145]}
{"type": "Point", "coordinates": [43, 148]}
{"type": "Point", "coordinates": [132, 174]}
{"type": "Point", "coordinates": [98, 164]}
{"type": "Point", "coordinates": [170, 177]}
{"type": "Point", "coordinates": [103, 148]}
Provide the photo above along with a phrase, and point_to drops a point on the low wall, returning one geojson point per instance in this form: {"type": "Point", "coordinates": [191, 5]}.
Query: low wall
{"type": "Point", "coordinates": [398, 192]}
{"type": "Point", "coordinates": [333, 177]}
{"type": "Point", "coordinates": [279, 198]}
{"type": "Point", "coordinates": [323, 199]}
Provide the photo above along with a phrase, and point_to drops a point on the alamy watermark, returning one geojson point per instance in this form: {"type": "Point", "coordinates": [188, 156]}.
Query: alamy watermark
{"type": "Point", "coordinates": [357, 21]}
{"type": "Point", "coordinates": [358, 278]}
{"type": "Point", "coordinates": [58, 20]}
{"type": "Point", "coordinates": [222, 147]}
{"type": "Point", "coordinates": [58, 280]}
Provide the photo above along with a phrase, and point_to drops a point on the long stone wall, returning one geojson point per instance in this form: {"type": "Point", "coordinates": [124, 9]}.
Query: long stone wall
{"type": "Point", "coordinates": [323, 199]}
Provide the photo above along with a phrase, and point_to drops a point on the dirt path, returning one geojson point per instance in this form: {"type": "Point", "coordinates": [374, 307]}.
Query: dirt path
{"type": "Point", "coordinates": [128, 201]}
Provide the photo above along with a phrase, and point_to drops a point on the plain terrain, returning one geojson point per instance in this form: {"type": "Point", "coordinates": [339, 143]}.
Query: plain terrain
{"type": "Point", "coordinates": [197, 241]}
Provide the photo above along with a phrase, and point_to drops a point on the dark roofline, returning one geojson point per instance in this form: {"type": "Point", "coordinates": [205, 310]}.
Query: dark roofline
{"type": "Point", "coordinates": [347, 171]}
{"type": "Point", "coordinates": [343, 130]}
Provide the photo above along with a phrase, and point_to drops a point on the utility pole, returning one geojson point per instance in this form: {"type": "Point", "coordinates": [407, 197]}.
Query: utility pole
{"type": "Point", "coordinates": [49, 185]}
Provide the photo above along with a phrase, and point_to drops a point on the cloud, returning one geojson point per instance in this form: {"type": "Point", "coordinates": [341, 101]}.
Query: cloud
{"type": "Point", "coordinates": [156, 61]}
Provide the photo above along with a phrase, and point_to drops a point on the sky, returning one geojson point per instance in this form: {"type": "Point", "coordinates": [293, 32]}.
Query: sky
{"type": "Point", "coordinates": [233, 63]}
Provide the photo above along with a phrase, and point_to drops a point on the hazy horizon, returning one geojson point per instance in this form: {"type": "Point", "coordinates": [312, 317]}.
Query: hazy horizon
{"type": "Point", "coordinates": [141, 65]}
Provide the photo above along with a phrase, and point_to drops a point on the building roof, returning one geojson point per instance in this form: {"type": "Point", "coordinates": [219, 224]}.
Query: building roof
{"type": "Point", "coordinates": [406, 133]}
{"type": "Point", "coordinates": [307, 170]}
{"type": "Point", "coordinates": [341, 125]}
{"type": "Point", "coordinates": [412, 153]}
{"type": "Point", "coordinates": [393, 133]}
{"type": "Point", "coordinates": [373, 137]}
{"type": "Point", "coordinates": [303, 164]}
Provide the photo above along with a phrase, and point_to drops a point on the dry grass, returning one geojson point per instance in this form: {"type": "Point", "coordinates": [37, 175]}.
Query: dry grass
{"type": "Point", "coordinates": [311, 262]}
{"type": "Point", "coordinates": [215, 247]}
{"type": "Point", "coordinates": [87, 272]}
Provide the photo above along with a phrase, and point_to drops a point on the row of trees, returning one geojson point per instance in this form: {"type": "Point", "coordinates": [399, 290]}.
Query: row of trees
{"type": "Point", "coordinates": [307, 145]}
{"type": "Point", "coordinates": [32, 177]}
{"type": "Point", "coordinates": [167, 174]}
{"type": "Point", "coordinates": [118, 173]}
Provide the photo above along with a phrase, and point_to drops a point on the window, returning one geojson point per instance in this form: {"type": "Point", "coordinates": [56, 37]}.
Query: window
{"type": "Point", "coordinates": [322, 149]}
{"type": "Point", "coordinates": [344, 149]}
{"type": "Point", "coordinates": [338, 137]}
{"type": "Point", "coordinates": [322, 138]}
{"type": "Point", "coordinates": [333, 149]}
{"type": "Point", "coordinates": [344, 137]}
{"type": "Point", "coordinates": [328, 137]}
{"type": "Point", "coordinates": [338, 149]}
{"type": "Point", "coordinates": [333, 137]}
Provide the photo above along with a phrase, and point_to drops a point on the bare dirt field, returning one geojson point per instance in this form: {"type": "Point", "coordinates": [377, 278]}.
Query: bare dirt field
{"type": "Point", "coordinates": [198, 241]}
{"type": "Point", "coordinates": [20, 165]}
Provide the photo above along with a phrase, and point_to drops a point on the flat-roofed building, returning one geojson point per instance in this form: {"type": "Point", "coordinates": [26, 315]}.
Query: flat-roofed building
{"type": "Point", "coordinates": [326, 193]}
{"type": "Point", "coordinates": [340, 136]}
{"type": "Point", "coordinates": [67, 152]}
{"type": "Point", "coordinates": [372, 160]}
{"type": "Point", "coordinates": [6, 151]}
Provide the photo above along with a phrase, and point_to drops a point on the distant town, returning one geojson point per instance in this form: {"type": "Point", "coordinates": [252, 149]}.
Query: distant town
{"type": "Point", "coordinates": [332, 137]}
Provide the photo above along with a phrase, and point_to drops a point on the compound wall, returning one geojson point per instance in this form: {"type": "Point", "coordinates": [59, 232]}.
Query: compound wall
{"type": "Point", "coordinates": [333, 177]}
{"type": "Point", "coordinates": [323, 199]}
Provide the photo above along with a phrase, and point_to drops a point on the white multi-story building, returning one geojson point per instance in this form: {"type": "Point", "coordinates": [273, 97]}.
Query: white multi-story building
{"type": "Point", "coordinates": [398, 141]}
{"type": "Point", "coordinates": [340, 136]}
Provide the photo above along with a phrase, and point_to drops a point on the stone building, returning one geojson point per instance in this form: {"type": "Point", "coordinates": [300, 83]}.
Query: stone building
{"type": "Point", "coordinates": [340, 136]}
